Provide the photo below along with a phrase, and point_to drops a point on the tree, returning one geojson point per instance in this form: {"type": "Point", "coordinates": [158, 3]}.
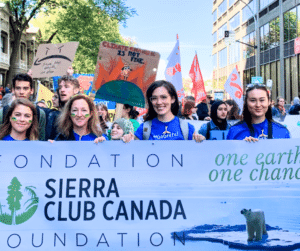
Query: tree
{"type": "Point", "coordinates": [14, 197]}
{"type": "Point", "coordinates": [23, 11]}
{"type": "Point", "coordinates": [34, 200]}
{"type": "Point", "coordinates": [85, 22]}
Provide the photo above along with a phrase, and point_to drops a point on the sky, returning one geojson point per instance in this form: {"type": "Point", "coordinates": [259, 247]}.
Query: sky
{"type": "Point", "coordinates": [158, 21]}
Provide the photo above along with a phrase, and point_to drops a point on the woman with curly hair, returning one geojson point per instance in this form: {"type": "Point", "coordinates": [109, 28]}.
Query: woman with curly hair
{"type": "Point", "coordinates": [20, 122]}
{"type": "Point", "coordinates": [79, 121]}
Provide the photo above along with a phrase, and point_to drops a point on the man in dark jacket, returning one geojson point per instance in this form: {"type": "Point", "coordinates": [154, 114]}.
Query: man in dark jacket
{"type": "Point", "coordinates": [203, 111]}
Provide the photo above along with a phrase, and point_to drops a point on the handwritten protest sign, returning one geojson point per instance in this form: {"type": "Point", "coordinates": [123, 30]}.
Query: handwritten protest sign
{"type": "Point", "coordinates": [119, 62]}
{"type": "Point", "coordinates": [53, 59]}
{"type": "Point", "coordinates": [148, 195]}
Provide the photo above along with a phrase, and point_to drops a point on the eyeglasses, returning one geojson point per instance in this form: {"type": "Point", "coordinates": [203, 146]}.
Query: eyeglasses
{"type": "Point", "coordinates": [154, 99]}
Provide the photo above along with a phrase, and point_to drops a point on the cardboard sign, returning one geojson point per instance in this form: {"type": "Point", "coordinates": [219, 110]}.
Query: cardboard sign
{"type": "Point", "coordinates": [53, 59]}
{"type": "Point", "coordinates": [119, 62]}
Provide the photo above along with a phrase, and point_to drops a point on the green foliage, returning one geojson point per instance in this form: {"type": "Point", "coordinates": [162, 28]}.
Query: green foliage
{"type": "Point", "coordinates": [14, 195]}
{"type": "Point", "coordinates": [83, 21]}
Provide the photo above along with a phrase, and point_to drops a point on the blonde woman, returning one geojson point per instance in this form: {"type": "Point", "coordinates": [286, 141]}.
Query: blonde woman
{"type": "Point", "coordinates": [20, 122]}
{"type": "Point", "coordinates": [79, 121]}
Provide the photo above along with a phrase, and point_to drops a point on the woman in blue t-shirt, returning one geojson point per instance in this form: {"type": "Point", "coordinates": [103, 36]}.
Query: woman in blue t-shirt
{"type": "Point", "coordinates": [20, 122]}
{"type": "Point", "coordinates": [257, 118]}
{"type": "Point", "coordinates": [79, 121]}
{"type": "Point", "coordinates": [161, 122]}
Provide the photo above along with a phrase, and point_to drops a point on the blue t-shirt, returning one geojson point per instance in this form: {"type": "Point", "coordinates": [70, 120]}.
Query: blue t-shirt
{"type": "Point", "coordinates": [240, 131]}
{"type": "Point", "coordinates": [165, 130]}
{"type": "Point", "coordinates": [10, 138]}
{"type": "Point", "coordinates": [88, 137]}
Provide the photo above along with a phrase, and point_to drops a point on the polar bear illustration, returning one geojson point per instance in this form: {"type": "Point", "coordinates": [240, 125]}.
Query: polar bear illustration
{"type": "Point", "coordinates": [255, 224]}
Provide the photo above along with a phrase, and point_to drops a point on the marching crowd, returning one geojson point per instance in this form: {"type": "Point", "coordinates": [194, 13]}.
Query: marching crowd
{"type": "Point", "coordinates": [76, 117]}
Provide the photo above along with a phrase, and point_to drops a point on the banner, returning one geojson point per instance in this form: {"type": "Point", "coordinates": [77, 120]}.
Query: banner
{"type": "Point", "coordinates": [173, 70]}
{"type": "Point", "coordinates": [198, 83]}
{"type": "Point", "coordinates": [234, 87]}
{"type": "Point", "coordinates": [150, 195]}
{"type": "Point", "coordinates": [44, 94]}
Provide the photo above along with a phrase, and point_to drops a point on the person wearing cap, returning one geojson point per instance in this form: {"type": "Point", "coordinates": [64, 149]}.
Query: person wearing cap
{"type": "Point", "coordinates": [120, 128]}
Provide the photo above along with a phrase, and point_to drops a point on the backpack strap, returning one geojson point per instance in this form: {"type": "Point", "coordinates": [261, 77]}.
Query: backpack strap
{"type": "Point", "coordinates": [270, 130]}
{"type": "Point", "coordinates": [1, 116]}
{"type": "Point", "coordinates": [208, 130]}
{"type": "Point", "coordinates": [147, 129]}
{"type": "Point", "coordinates": [184, 126]}
{"type": "Point", "coordinates": [42, 123]}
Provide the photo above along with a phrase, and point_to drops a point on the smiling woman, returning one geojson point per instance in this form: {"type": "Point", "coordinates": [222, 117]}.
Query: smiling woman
{"type": "Point", "coordinates": [79, 120]}
{"type": "Point", "coordinates": [161, 122]}
{"type": "Point", "coordinates": [20, 123]}
{"type": "Point", "coordinates": [257, 114]}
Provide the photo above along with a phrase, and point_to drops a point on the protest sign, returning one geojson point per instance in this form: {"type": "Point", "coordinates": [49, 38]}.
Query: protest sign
{"type": "Point", "coordinates": [148, 195]}
{"type": "Point", "coordinates": [53, 59]}
{"type": "Point", "coordinates": [44, 94]}
{"type": "Point", "coordinates": [130, 64]}
{"type": "Point", "coordinates": [111, 107]}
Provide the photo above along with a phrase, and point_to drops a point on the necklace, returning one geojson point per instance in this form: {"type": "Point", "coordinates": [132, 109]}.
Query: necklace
{"type": "Point", "coordinates": [262, 136]}
{"type": "Point", "coordinates": [166, 131]}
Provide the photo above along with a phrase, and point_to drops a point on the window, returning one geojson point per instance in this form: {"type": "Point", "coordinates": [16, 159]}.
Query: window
{"type": "Point", "coordinates": [231, 2]}
{"type": "Point", "coordinates": [215, 39]}
{"type": "Point", "coordinates": [234, 53]}
{"type": "Point", "coordinates": [221, 31]}
{"type": "Point", "coordinates": [234, 22]}
{"type": "Point", "coordinates": [290, 24]}
{"type": "Point", "coordinates": [223, 58]}
{"type": "Point", "coordinates": [222, 8]}
{"type": "Point", "coordinates": [215, 16]}
{"type": "Point", "coordinates": [215, 61]}
{"type": "Point", "coordinates": [265, 37]}
{"type": "Point", "coordinates": [264, 3]}
{"type": "Point", "coordinates": [274, 33]}
{"type": "Point", "coordinates": [4, 48]}
{"type": "Point", "coordinates": [247, 14]}
{"type": "Point", "coordinates": [248, 51]}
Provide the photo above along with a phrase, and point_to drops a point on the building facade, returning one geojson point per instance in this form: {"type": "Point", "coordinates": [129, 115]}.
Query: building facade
{"type": "Point", "coordinates": [276, 26]}
{"type": "Point", "coordinates": [27, 50]}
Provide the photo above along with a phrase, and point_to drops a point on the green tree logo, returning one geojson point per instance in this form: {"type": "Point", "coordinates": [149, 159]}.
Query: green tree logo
{"type": "Point", "coordinates": [14, 204]}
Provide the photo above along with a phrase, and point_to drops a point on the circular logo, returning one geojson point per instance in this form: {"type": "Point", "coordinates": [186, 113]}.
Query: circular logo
{"type": "Point", "coordinates": [19, 207]}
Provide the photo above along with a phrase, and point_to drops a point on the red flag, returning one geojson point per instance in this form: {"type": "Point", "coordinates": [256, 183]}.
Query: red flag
{"type": "Point", "coordinates": [198, 83]}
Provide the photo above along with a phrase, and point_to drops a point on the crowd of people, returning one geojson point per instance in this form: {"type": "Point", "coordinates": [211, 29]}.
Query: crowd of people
{"type": "Point", "coordinates": [76, 117]}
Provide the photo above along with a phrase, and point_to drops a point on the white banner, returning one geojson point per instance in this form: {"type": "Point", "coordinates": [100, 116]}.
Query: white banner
{"type": "Point", "coordinates": [138, 196]}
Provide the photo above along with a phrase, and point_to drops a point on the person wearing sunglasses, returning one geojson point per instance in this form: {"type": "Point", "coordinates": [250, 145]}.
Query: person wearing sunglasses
{"type": "Point", "coordinates": [257, 120]}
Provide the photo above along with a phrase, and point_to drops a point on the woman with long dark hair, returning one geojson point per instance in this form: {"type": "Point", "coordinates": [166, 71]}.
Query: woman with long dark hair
{"type": "Point", "coordinates": [161, 122]}
{"type": "Point", "coordinates": [218, 127]}
{"type": "Point", "coordinates": [257, 120]}
{"type": "Point", "coordinates": [20, 122]}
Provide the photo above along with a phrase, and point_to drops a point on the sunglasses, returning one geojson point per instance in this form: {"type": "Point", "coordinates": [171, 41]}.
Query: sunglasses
{"type": "Point", "coordinates": [249, 86]}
